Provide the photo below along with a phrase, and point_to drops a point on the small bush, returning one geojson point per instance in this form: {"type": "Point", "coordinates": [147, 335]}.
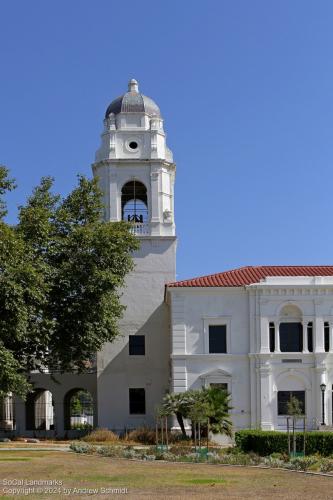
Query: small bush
{"type": "Point", "coordinates": [326, 465]}
{"type": "Point", "coordinates": [236, 459]}
{"type": "Point", "coordinates": [177, 437]}
{"type": "Point", "coordinates": [110, 451]}
{"type": "Point", "coordinates": [301, 463]}
{"type": "Point", "coordinates": [165, 455]}
{"type": "Point", "coordinates": [233, 450]}
{"type": "Point", "coordinates": [180, 450]}
{"type": "Point", "coordinates": [273, 462]}
{"type": "Point", "coordinates": [129, 453]}
{"type": "Point", "coordinates": [142, 435]}
{"type": "Point", "coordinates": [82, 448]}
{"type": "Point", "coordinates": [101, 435]}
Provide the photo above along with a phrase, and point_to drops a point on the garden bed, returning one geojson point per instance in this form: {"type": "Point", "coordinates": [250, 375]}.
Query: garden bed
{"type": "Point", "coordinates": [230, 456]}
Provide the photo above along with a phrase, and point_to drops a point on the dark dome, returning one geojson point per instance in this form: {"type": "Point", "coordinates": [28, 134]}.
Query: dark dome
{"type": "Point", "coordinates": [133, 102]}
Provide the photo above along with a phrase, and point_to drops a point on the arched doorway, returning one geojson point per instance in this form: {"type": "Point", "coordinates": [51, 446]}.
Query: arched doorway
{"type": "Point", "coordinates": [79, 410]}
{"type": "Point", "coordinates": [40, 411]}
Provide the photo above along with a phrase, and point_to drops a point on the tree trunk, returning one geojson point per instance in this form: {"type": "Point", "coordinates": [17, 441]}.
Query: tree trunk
{"type": "Point", "coordinates": [181, 423]}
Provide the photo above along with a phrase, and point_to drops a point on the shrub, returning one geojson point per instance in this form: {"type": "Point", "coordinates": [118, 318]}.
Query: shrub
{"type": "Point", "coordinates": [129, 452]}
{"type": "Point", "coordinates": [267, 442]}
{"type": "Point", "coordinates": [82, 448]}
{"type": "Point", "coordinates": [235, 459]}
{"type": "Point", "coordinates": [142, 435]}
{"type": "Point", "coordinates": [326, 465]}
{"type": "Point", "coordinates": [110, 451]}
{"type": "Point", "coordinates": [272, 461]}
{"type": "Point", "coordinates": [165, 455]}
{"type": "Point", "coordinates": [180, 450]}
{"type": "Point", "coordinates": [177, 437]}
{"type": "Point", "coordinates": [101, 435]}
{"type": "Point", "coordinates": [301, 463]}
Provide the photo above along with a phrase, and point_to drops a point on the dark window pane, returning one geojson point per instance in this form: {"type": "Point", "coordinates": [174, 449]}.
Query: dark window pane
{"type": "Point", "coordinates": [291, 337]}
{"type": "Point", "coordinates": [222, 386]}
{"type": "Point", "coordinates": [271, 337]}
{"type": "Point", "coordinates": [136, 345]}
{"type": "Point", "coordinates": [137, 401]}
{"type": "Point", "coordinates": [284, 398]}
{"type": "Point", "coordinates": [327, 336]}
{"type": "Point", "coordinates": [310, 337]}
{"type": "Point", "coordinates": [217, 338]}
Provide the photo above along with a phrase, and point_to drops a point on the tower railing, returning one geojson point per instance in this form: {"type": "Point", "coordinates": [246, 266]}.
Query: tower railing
{"type": "Point", "coordinates": [140, 228]}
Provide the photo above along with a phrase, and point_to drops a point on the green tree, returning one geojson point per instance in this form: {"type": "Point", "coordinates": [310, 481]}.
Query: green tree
{"type": "Point", "coordinates": [61, 273]}
{"type": "Point", "coordinates": [203, 405]}
{"type": "Point", "coordinates": [6, 184]}
{"type": "Point", "coordinates": [219, 410]}
{"type": "Point", "coordinates": [178, 404]}
{"type": "Point", "coordinates": [294, 407]}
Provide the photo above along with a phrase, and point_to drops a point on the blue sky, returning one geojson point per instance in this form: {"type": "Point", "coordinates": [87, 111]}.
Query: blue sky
{"type": "Point", "coordinates": [246, 91]}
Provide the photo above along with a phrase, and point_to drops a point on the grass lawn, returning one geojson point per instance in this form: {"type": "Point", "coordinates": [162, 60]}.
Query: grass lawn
{"type": "Point", "coordinates": [152, 480]}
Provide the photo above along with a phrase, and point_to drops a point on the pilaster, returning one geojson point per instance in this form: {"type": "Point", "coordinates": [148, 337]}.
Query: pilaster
{"type": "Point", "coordinates": [265, 397]}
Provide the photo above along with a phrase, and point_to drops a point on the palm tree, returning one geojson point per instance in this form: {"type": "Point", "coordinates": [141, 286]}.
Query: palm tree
{"type": "Point", "coordinates": [177, 403]}
{"type": "Point", "coordinates": [219, 412]}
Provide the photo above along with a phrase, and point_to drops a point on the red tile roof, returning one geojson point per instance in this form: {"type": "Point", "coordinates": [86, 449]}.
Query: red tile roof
{"type": "Point", "coordinates": [252, 274]}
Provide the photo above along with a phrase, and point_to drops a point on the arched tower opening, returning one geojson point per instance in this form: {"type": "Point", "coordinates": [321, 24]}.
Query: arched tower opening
{"type": "Point", "coordinates": [134, 202]}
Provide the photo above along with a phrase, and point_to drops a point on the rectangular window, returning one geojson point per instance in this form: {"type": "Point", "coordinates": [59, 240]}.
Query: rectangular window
{"type": "Point", "coordinates": [327, 336]}
{"type": "Point", "coordinates": [137, 401]}
{"type": "Point", "coordinates": [271, 337]}
{"type": "Point", "coordinates": [136, 345]}
{"type": "Point", "coordinates": [310, 336]}
{"type": "Point", "coordinates": [284, 398]}
{"type": "Point", "coordinates": [291, 337]}
{"type": "Point", "coordinates": [217, 339]}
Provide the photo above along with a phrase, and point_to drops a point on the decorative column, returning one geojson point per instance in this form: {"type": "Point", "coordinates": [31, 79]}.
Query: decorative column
{"type": "Point", "coordinates": [265, 398]}
{"type": "Point", "coordinates": [154, 180]}
{"type": "Point", "coordinates": [305, 337]}
{"type": "Point", "coordinates": [318, 335]}
{"type": "Point", "coordinates": [264, 335]}
{"type": "Point", "coordinates": [277, 336]}
{"type": "Point", "coordinates": [6, 413]}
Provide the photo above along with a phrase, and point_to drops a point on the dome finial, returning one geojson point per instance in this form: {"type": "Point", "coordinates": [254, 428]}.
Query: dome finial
{"type": "Point", "coordinates": [133, 86]}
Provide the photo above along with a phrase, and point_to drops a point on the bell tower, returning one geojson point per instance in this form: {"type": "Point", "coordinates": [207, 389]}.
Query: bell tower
{"type": "Point", "coordinates": [135, 166]}
{"type": "Point", "coordinates": [137, 174]}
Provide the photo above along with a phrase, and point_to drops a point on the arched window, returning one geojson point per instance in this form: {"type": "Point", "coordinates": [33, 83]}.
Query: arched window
{"type": "Point", "coordinates": [291, 329]}
{"type": "Point", "coordinates": [79, 410]}
{"type": "Point", "coordinates": [134, 204]}
{"type": "Point", "coordinates": [39, 411]}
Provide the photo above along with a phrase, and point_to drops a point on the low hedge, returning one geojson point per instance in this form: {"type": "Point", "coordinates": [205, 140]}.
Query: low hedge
{"type": "Point", "coordinates": [266, 442]}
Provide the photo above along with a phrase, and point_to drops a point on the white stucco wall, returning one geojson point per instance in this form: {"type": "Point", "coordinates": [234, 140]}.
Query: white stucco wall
{"type": "Point", "coordinates": [253, 373]}
{"type": "Point", "coordinates": [146, 314]}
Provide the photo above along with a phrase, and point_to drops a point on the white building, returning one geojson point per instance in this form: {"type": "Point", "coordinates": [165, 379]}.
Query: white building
{"type": "Point", "coordinates": [263, 333]}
